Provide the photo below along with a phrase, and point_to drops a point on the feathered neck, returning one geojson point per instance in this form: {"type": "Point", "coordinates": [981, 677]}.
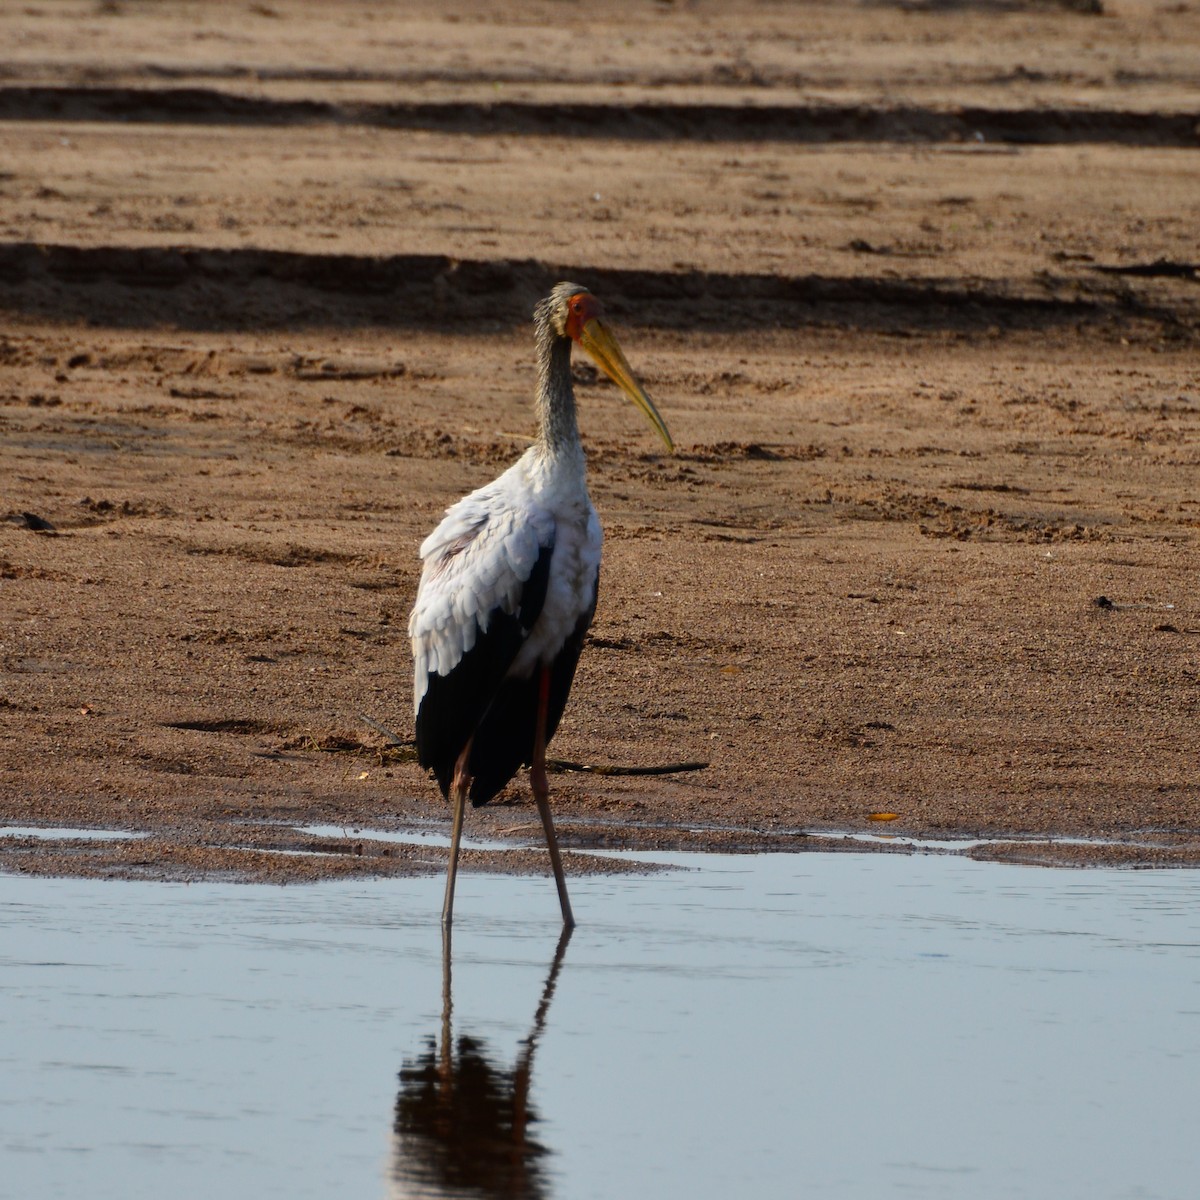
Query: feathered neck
{"type": "Point", "coordinates": [558, 429]}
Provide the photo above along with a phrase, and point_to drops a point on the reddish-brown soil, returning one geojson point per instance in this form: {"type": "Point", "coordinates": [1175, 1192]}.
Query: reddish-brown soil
{"type": "Point", "coordinates": [916, 287]}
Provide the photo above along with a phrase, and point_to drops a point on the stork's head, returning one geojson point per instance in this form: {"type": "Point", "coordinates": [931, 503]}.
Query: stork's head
{"type": "Point", "coordinates": [575, 313]}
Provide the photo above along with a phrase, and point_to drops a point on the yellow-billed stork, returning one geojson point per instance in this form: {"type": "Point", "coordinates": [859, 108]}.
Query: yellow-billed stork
{"type": "Point", "coordinates": [508, 590]}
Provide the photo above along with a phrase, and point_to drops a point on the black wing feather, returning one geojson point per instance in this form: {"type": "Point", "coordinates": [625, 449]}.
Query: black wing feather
{"type": "Point", "coordinates": [505, 732]}
{"type": "Point", "coordinates": [454, 705]}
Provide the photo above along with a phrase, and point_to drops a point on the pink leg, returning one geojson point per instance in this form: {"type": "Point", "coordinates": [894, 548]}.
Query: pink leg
{"type": "Point", "coordinates": [541, 794]}
{"type": "Point", "coordinates": [459, 788]}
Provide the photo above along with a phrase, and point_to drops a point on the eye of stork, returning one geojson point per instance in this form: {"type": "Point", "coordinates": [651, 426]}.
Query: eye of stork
{"type": "Point", "coordinates": [581, 308]}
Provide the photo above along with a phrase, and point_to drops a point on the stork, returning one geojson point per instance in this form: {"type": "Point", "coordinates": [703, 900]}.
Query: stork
{"type": "Point", "coordinates": [508, 590]}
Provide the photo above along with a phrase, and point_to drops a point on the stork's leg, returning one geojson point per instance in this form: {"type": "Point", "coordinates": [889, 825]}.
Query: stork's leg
{"type": "Point", "coordinates": [459, 787]}
{"type": "Point", "coordinates": [541, 793]}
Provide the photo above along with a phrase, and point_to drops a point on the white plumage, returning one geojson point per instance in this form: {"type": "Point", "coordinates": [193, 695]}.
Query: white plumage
{"type": "Point", "coordinates": [478, 560]}
{"type": "Point", "coordinates": [508, 589]}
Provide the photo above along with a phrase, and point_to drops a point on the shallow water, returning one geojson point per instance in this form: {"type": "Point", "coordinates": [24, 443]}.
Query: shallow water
{"type": "Point", "coordinates": [833, 1025]}
{"type": "Point", "coordinates": [67, 833]}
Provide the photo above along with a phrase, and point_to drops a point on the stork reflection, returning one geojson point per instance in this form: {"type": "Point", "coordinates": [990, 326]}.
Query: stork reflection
{"type": "Point", "coordinates": [463, 1122]}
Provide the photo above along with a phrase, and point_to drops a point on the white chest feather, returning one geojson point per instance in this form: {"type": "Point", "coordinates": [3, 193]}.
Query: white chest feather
{"type": "Point", "coordinates": [483, 554]}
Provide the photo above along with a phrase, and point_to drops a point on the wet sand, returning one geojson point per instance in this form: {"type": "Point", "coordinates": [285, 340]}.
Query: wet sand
{"type": "Point", "coordinates": [915, 287]}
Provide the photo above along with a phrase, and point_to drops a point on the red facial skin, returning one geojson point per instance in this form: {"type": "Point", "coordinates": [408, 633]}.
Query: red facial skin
{"type": "Point", "coordinates": [582, 308]}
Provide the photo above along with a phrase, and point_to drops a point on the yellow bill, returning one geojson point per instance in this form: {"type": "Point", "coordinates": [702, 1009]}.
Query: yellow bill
{"type": "Point", "coordinates": [602, 347]}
